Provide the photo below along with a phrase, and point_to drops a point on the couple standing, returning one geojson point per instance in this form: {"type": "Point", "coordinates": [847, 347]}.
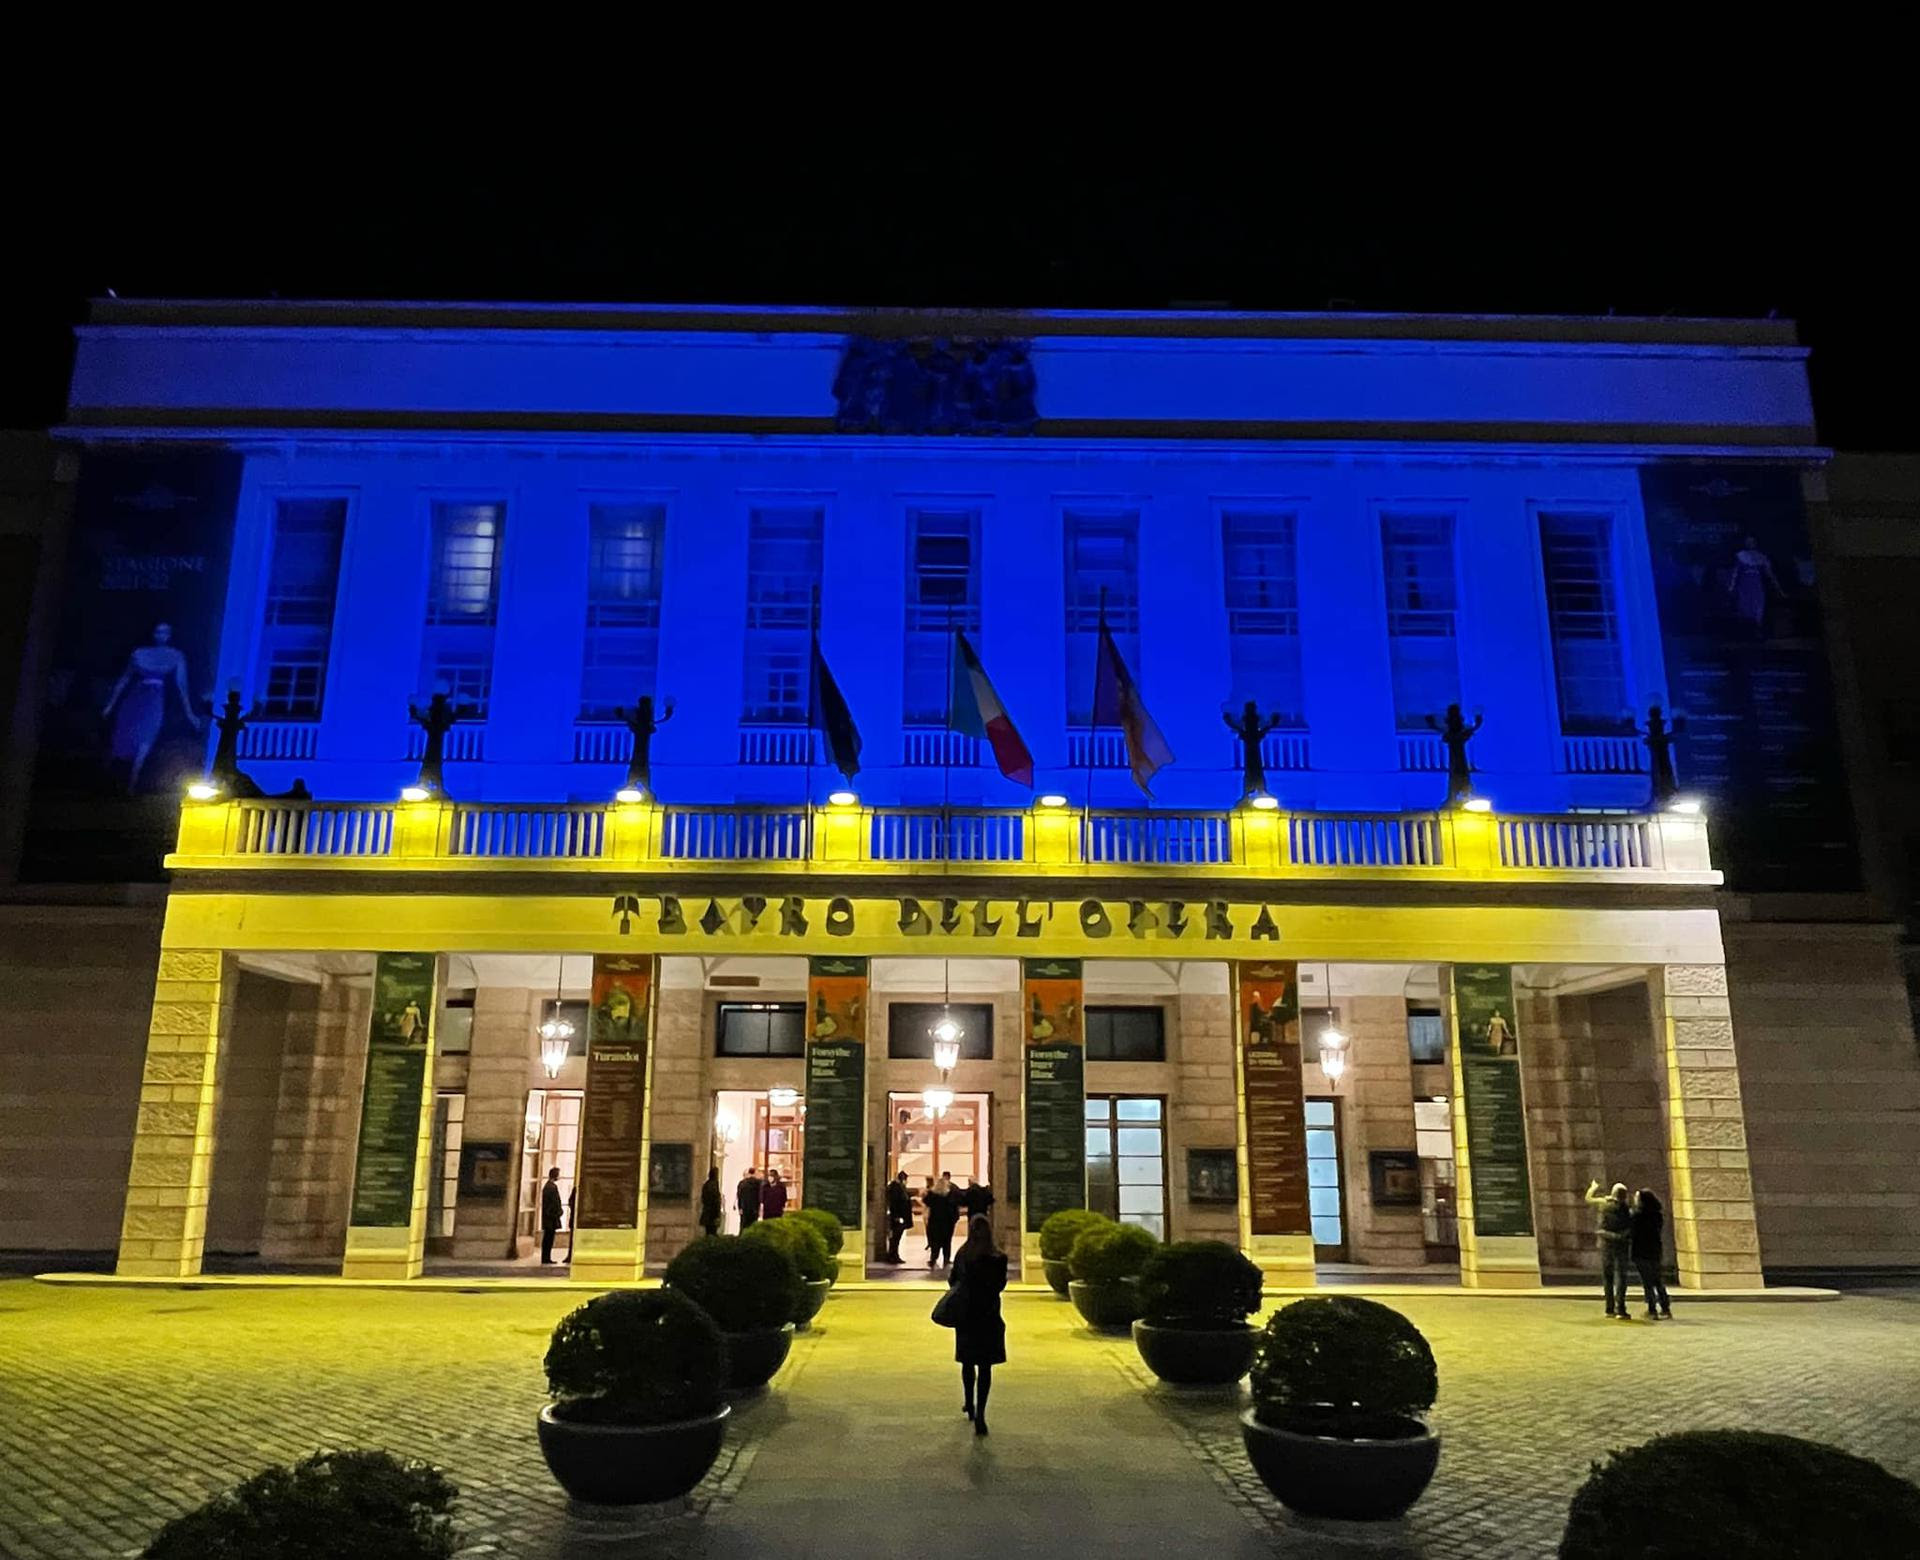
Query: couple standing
{"type": "Point", "coordinates": [1629, 1230]}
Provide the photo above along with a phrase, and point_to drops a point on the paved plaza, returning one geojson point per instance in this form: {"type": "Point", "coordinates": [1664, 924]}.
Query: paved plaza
{"type": "Point", "coordinates": [121, 1407]}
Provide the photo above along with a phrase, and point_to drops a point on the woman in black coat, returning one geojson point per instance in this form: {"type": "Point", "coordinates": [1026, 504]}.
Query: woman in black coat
{"type": "Point", "coordinates": [979, 1272]}
{"type": "Point", "coordinates": [1643, 1245]}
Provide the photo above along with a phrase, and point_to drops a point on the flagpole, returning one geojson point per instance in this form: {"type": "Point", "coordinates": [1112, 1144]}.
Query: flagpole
{"type": "Point", "coordinates": [813, 713]}
{"type": "Point", "coordinates": [1093, 726]}
{"type": "Point", "coordinates": [946, 753]}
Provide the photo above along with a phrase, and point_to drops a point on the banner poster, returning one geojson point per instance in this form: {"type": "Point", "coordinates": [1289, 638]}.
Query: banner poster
{"type": "Point", "coordinates": [1056, 1088]}
{"type": "Point", "coordinates": [613, 1115]}
{"type": "Point", "coordinates": [130, 678]}
{"type": "Point", "coordinates": [1276, 1101]}
{"type": "Point", "coordinates": [833, 1150]}
{"type": "Point", "coordinates": [1496, 1112]}
{"type": "Point", "coordinates": [397, 1055]}
{"type": "Point", "coordinates": [1747, 672]}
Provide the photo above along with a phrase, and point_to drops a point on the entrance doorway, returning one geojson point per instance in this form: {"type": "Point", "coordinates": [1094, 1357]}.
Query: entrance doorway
{"type": "Point", "coordinates": [751, 1130]}
{"type": "Point", "coordinates": [924, 1145]}
{"type": "Point", "coordinates": [551, 1141]}
{"type": "Point", "coordinates": [1326, 1196]}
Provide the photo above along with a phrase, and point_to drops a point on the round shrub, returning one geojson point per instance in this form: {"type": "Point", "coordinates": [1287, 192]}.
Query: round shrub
{"type": "Point", "coordinates": [801, 1243]}
{"type": "Point", "coordinates": [744, 1285]}
{"type": "Point", "coordinates": [1742, 1495]}
{"type": "Point", "coordinates": [367, 1504]}
{"type": "Point", "coordinates": [634, 1357]}
{"type": "Point", "coordinates": [1199, 1283]}
{"type": "Point", "coordinates": [1107, 1253]}
{"type": "Point", "coordinates": [1340, 1365]}
{"type": "Point", "coordinates": [830, 1228]}
{"type": "Point", "coordinates": [1062, 1229]}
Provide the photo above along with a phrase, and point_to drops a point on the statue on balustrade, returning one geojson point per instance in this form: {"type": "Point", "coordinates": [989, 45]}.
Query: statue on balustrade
{"type": "Point", "coordinates": [225, 772]}
{"type": "Point", "coordinates": [1659, 734]}
{"type": "Point", "coordinates": [439, 717]}
{"type": "Point", "coordinates": [935, 384]}
{"type": "Point", "coordinates": [642, 722]}
{"type": "Point", "coordinates": [1252, 731]}
{"type": "Point", "coordinates": [1455, 734]}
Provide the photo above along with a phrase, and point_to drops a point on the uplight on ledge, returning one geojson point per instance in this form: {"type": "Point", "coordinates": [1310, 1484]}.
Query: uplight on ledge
{"type": "Point", "coordinates": [1687, 806]}
{"type": "Point", "coordinates": [1478, 804]}
{"type": "Point", "coordinates": [629, 794]}
{"type": "Point", "coordinates": [842, 799]}
{"type": "Point", "coordinates": [1263, 801]}
{"type": "Point", "coordinates": [415, 793]}
{"type": "Point", "coordinates": [1053, 799]}
{"type": "Point", "coordinates": [202, 791]}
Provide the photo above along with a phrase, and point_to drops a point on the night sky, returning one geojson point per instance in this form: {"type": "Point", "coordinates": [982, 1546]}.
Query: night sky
{"type": "Point", "coordinates": [1728, 228]}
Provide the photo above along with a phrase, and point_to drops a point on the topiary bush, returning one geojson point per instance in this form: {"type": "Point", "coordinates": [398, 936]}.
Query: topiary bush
{"type": "Point", "coordinates": [831, 1230]}
{"type": "Point", "coordinates": [744, 1285]}
{"type": "Point", "coordinates": [802, 1244]}
{"type": "Point", "coordinates": [635, 1357]}
{"type": "Point", "coordinates": [1741, 1495]}
{"type": "Point", "coordinates": [1106, 1253]}
{"type": "Point", "coordinates": [1062, 1229]}
{"type": "Point", "coordinates": [1340, 1365]}
{"type": "Point", "coordinates": [370, 1505]}
{"type": "Point", "coordinates": [1198, 1283]}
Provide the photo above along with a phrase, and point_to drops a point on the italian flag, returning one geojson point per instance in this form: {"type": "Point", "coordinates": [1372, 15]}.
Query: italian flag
{"type": "Point", "coordinates": [975, 710]}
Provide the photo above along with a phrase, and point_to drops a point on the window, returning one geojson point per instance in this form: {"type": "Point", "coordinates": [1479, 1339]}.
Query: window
{"type": "Point", "coordinates": [1102, 554]}
{"type": "Point", "coordinates": [943, 592]}
{"type": "Point", "coordinates": [1426, 1032]}
{"type": "Point", "coordinates": [624, 543]}
{"type": "Point", "coordinates": [783, 572]}
{"type": "Point", "coordinates": [910, 1029]}
{"type": "Point", "coordinates": [1127, 1159]}
{"type": "Point", "coordinates": [1312, 1021]}
{"type": "Point", "coordinates": [296, 632]}
{"type": "Point", "coordinates": [455, 1035]}
{"type": "Point", "coordinates": [761, 1029]}
{"type": "Point", "coordinates": [1126, 1034]}
{"type": "Point", "coordinates": [443, 1190]}
{"type": "Point", "coordinates": [1263, 612]}
{"type": "Point", "coordinates": [463, 599]}
{"type": "Point", "coordinates": [1422, 616]}
{"type": "Point", "coordinates": [1576, 558]}
{"type": "Point", "coordinates": [1324, 1201]}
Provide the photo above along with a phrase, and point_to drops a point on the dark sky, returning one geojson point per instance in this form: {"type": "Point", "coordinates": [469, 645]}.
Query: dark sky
{"type": "Point", "coordinates": [1719, 227]}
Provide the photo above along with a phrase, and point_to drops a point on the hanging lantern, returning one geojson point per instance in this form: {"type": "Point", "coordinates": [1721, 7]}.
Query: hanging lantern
{"type": "Point", "coordinates": [556, 1041]}
{"type": "Point", "coordinates": [1333, 1054]}
{"type": "Point", "coordinates": [946, 1042]}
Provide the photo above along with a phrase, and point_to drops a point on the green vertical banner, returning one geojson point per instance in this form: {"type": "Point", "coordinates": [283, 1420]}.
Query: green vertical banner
{"type": "Point", "coordinates": [1056, 1088]}
{"type": "Point", "coordinates": [606, 1182]}
{"type": "Point", "coordinates": [1496, 1112]}
{"type": "Point", "coordinates": [390, 1109]}
{"type": "Point", "coordinates": [834, 1151]}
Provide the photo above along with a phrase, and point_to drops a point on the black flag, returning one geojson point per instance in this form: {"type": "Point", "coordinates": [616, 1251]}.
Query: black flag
{"type": "Point", "coordinates": [832, 719]}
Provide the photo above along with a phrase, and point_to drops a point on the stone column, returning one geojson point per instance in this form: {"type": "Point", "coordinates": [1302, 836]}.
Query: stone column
{"type": "Point", "coordinates": [163, 1232]}
{"type": "Point", "coordinates": [679, 1107]}
{"type": "Point", "coordinates": [1716, 1244]}
{"type": "Point", "coordinates": [317, 1122]}
{"type": "Point", "coordinates": [1204, 1109]}
{"type": "Point", "coordinates": [497, 1082]}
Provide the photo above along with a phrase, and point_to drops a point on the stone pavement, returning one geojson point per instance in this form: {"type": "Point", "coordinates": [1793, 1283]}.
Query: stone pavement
{"type": "Point", "coordinates": [121, 1407]}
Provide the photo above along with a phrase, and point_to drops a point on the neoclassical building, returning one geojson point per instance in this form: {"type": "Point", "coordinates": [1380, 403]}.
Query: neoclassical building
{"type": "Point", "coordinates": [1389, 989]}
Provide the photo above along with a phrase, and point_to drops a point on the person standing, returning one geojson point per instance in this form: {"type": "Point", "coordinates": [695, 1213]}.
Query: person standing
{"type": "Point", "coordinates": [899, 1216]}
{"type": "Point", "coordinates": [943, 1213]}
{"type": "Point", "coordinates": [979, 1273]}
{"type": "Point", "coordinates": [746, 1197]}
{"type": "Point", "coordinates": [1614, 1231]}
{"type": "Point", "coordinates": [773, 1195]}
{"type": "Point", "coordinates": [552, 1208]}
{"type": "Point", "coordinates": [710, 1206]}
{"type": "Point", "coordinates": [1649, 1219]}
{"type": "Point", "coordinates": [977, 1200]}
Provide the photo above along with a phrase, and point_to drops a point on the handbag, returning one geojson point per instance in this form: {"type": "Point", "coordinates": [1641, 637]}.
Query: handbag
{"type": "Point", "coordinates": [946, 1310]}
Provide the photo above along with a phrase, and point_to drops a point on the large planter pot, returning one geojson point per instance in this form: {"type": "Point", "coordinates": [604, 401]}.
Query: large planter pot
{"type": "Point", "coordinates": [753, 1357]}
{"type": "Point", "coordinates": [1327, 1476]}
{"type": "Point", "coordinates": [1058, 1276]}
{"type": "Point", "coordinates": [1196, 1356]}
{"type": "Point", "coordinates": [630, 1465]}
{"type": "Point", "coordinates": [1106, 1307]}
{"type": "Point", "coordinates": [811, 1299]}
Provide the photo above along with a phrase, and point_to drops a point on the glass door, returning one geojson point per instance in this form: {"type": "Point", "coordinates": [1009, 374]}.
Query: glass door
{"type": "Point", "coordinates": [1127, 1159]}
{"type": "Point", "coordinates": [552, 1141]}
{"type": "Point", "coordinates": [1326, 1198]}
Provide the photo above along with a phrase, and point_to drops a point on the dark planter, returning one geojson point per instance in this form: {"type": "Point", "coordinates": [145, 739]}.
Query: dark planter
{"type": "Point", "coordinates": [1196, 1356]}
{"type": "Point", "coordinates": [1326, 1476]}
{"type": "Point", "coordinates": [1058, 1276]}
{"type": "Point", "coordinates": [812, 1297]}
{"type": "Point", "coordinates": [630, 1465]}
{"type": "Point", "coordinates": [1106, 1307]}
{"type": "Point", "coordinates": [753, 1357]}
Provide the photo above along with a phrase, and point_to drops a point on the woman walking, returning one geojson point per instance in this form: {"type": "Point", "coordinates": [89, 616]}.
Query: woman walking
{"type": "Point", "coordinates": [979, 1273]}
{"type": "Point", "coordinates": [1644, 1243]}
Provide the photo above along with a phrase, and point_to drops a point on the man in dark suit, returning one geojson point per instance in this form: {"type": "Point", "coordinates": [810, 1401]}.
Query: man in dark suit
{"type": "Point", "coordinates": [552, 1209]}
{"type": "Point", "coordinates": [899, 1215]}
{"type": "Point", "coordinates": [746, 1197]}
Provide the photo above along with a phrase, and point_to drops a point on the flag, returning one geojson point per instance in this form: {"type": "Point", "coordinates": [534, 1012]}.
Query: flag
{"type": "Point", "coordinates": [1116, 702]}
{"type": "Point", "coordinates": [975, 710]}
{"type": "Point", "coordinates": [831, 717]}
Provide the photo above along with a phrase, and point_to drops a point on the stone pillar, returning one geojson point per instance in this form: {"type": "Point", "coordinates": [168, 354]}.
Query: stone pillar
{"type": "Point", "coordinates": [316, 1122]}
{"type": "Point", "coordinates": [1378, 1115]}
{"type": "Point", "coordinates": [502, 1053]}
{"type": "Point", "coordinates": [679, 1108]}
{"type": "Point", "coordinates": [1204, 1108]}
{"type": "Point", "coordinates": [1716, 1244]}
{"type": "Point", "coordinates": [1566, 1146]}
{"type": "Point", "coordinates": [163, 1231]}
{"type": "Point", "coordinates": [1486, 1261]}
